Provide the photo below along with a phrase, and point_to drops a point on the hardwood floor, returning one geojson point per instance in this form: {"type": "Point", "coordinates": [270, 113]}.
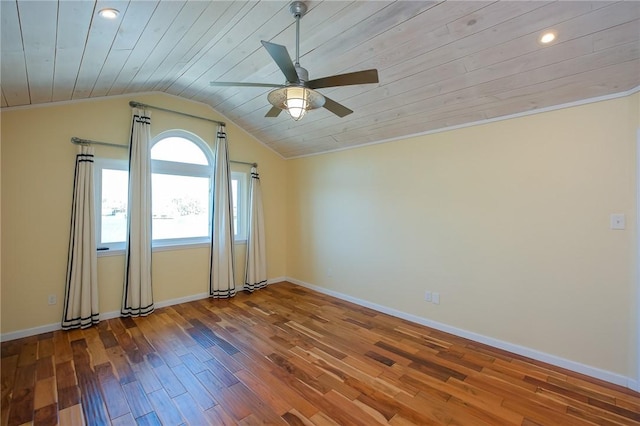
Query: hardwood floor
{"type": "Point", "coordinates": [288, 355]}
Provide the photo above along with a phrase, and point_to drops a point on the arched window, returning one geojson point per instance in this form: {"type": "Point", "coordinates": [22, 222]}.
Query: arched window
{"type": "Point", "coordinates": [181, 187]}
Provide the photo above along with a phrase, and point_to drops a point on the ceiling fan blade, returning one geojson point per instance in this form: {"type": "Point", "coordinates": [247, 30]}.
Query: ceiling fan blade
{"type": "Point", "coordinates": [231, 83]}
{"type": "Point", "coordinates": [348, 79]}
{"type": "Point", "coordinates": [273, 112]}
{"type": "Point", "coordinates": [336, 108]}
{"type": "Point", "coordinates": [283, 60]}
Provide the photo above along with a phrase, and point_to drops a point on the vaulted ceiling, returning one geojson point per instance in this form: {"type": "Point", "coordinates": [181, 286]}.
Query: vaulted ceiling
{"type": "Point", "coordinates": [440, 64]}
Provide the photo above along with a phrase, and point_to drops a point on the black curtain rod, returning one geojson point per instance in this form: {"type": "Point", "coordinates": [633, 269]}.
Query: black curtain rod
{"type": "Point", "coordinates": [79, 141]}
{"type": "Point", "coordinates": [134, 104]}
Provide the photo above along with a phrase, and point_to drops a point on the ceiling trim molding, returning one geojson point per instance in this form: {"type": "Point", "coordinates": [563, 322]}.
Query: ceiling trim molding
{"type": "Point", "coordinates": [481, 122]}
{"type": "Point", "coordinates": [413, 135]}
{"type": "Point", "coordinates": [83, 100]}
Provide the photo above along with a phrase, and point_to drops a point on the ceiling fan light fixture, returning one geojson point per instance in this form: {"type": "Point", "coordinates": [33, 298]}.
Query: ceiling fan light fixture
{"type": "Point", "coordinates": [296, 100]}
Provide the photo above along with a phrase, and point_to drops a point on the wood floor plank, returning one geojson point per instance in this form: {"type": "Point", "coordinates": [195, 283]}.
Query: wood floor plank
{"type": "Point", "coordinates": [219, 417]}
{"type": "Point", "coordinates": [21, 409]}
{"type": "Point", "coordinates": [137, 399]}
{"type": "Point", "coordinates": [61, 347]}
{"type": "Point", "coordinates": [66, 383]}
{"type": "Point", "coordinates": [28, 354]}
{"type": "Point", "coordinates": [93, 404]}
{"type": "Point", "coordinates": [45, 393]}
{"type": "Point", "coordinates": [125, 420]}
{"type": "Point", "coordinates": [145, 375]}
{"type": "Point", "coordinates": [189, 409]}
{"type": "Point", "coordinates": [116, 401]}
{"type": "Point", "coordinates": [169, 381]}
{"type": "Point", "coordinates": [288, 355]}
{"type": "Point", "coordinates": [122, 367]}
{"type": "Point", "coordinates": [46, 416]}
{"type": "Point", "coordinates": [7, 378]}
{"type": "Point", "coordinates": [44, 368]}
{"type": "Point", "coordinates": [71, 416]}
{"type": "Point", "coordinates": [198, 392]}
{"type": "Point", "coordinates": [45, 345]}
{"type": "Point", "coordinates": [241, 402]}
{"type": "Point", "coordinates": [279, 405]}
{"type": "Point", "coordinates": [150, 419]}
{"type": "Point", "coordinates": [165, 408]}
{"type": "Point", "coordinates": [98, 351]}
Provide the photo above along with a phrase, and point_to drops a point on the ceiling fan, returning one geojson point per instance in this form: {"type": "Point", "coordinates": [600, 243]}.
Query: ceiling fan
{"type": "Point", "coordinates": [298, 95]}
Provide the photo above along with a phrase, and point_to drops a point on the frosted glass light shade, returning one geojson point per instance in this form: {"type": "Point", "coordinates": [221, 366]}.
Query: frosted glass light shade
{"type": "Point", "coordinates": [297, 102]}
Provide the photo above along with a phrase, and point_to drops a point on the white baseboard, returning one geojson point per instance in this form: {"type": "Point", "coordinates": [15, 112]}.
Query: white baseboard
{"type": "Point", "coordinates": [29, 332]}
{"type": "Point", "coordinates": [597, 373]}
{"type": "Point", "coordinates": [276, 280]}
{"type": "Point", "coordinates": [5, 337]}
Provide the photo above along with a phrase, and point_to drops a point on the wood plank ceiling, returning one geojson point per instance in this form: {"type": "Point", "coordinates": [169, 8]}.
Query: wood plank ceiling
{"type": "Point", "coordinates": [440, 63]}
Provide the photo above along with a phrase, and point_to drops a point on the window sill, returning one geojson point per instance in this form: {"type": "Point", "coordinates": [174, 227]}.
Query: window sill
{"type": "Point", "coordinates": [163, 247]}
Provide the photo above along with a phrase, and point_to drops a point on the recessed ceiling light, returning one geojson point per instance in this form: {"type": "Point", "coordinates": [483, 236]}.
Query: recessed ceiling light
{"type": "Point", "coordinates": [547, 37]}
{"type": "Point", "coordinates": [109, 13]}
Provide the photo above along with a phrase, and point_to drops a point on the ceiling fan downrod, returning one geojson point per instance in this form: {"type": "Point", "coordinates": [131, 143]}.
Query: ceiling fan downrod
{"type": "Point", "coordinates": [298, 9]}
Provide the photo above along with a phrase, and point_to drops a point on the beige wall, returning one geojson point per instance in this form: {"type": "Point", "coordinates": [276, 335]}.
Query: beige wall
{"type": "Point", "coordinates": [508, 221]}
{"type": "Point", "coordinates": [37, 184]}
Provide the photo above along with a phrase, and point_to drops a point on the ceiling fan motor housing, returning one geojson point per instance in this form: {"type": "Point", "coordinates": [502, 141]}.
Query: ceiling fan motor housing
{"type": "Point", "coordinates": [303, 75]}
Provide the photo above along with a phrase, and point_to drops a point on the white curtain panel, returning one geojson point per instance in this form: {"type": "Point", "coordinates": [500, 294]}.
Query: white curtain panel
{"type": "Point", "coordinates": [137, 298]}
{"type": "Point", "coordinates": [81, 292]}
{"type": "Point", "coordinates": [256, 271]}
{"type": "Point", "coordinates": [221, 266]}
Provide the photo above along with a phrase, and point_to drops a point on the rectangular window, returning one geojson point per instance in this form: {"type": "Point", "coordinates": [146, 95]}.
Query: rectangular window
{"type": "Point", "coordinates": [180, 206]}
{"type": "Point", "coordinates": [111, 193]}
{"type": "Point", "coordinates": [240, 192]}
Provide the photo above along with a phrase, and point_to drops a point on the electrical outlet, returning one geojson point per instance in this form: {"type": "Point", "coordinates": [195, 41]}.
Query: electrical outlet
{"type": "Point", "coordinates": [617, 221]}
{"type": "Point", "coordinates": [427, 296]}
{"type": "Point", "coordinates": [52, 299]}
{"type": "Point", "coordinates": [436, 298]}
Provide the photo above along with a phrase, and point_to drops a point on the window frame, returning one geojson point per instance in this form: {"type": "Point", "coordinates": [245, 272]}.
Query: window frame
{"type": "Point", "coordinates": [184, 169]}
{"type": "Point", "coordinates": [179, 169]}
{"type": "Point", "coordinates": [242, 206]}
{"type": "Point", "coordinates": [101, 164]}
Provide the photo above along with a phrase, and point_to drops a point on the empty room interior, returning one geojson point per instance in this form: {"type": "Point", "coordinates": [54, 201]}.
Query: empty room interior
{"type": "Point", "coordinates": [320, 212]}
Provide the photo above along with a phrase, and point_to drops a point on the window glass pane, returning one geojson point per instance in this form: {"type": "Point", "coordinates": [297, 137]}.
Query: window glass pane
{"type": "Point", "coordinates": [180, 206]}
{"type": "Point", "coordinates": [234, 192]}
{"type": "Point", "coordinates": [114, 206]}
{"type": "Point", "coordinates": [179, 150]}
